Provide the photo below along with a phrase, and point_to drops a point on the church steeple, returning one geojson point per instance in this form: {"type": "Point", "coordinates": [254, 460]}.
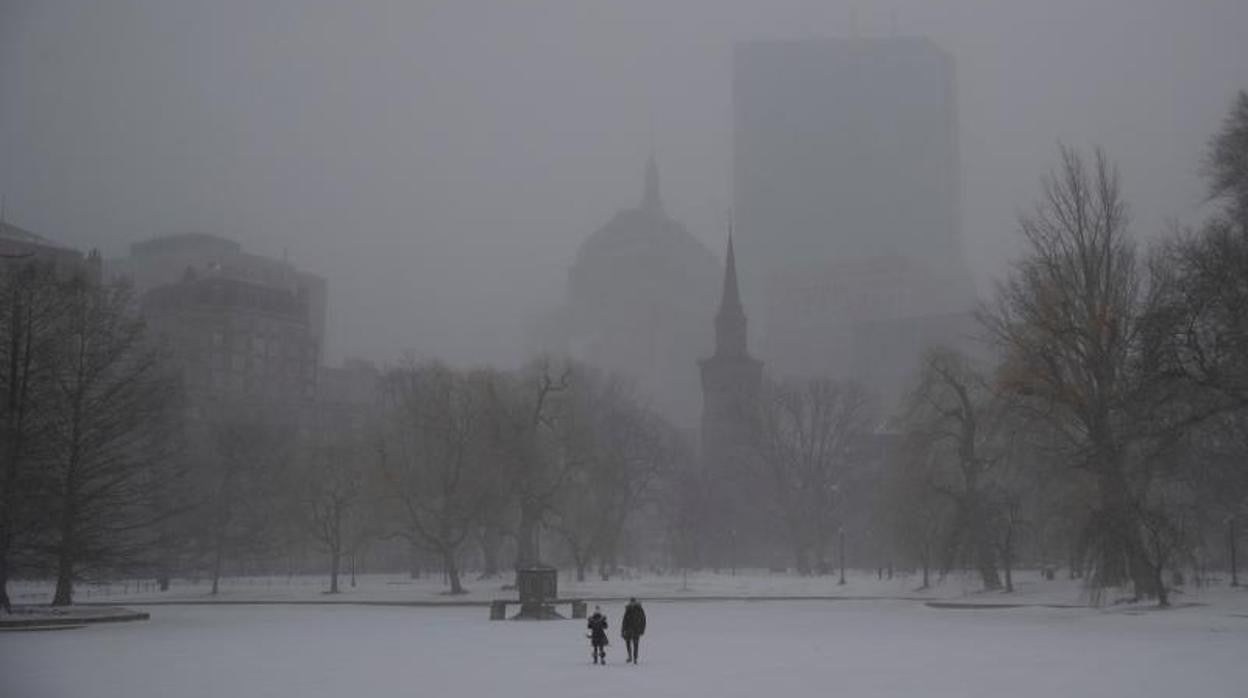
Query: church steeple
{"type": "Point", "coordinates": [650, 200]}
{"type": "Point", "coordinates": [730, 322]}
{"type": "Point", "coordinates": [731, 382]}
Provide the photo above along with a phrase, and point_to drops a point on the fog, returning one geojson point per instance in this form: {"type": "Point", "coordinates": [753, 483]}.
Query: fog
{"type": "Point", "coordinates": [439, 162]}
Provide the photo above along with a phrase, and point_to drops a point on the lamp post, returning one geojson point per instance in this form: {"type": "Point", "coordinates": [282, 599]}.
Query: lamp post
{"type": "Point", "coordinates": [1230, 542]}
{"type": "Point", "coordinates": [840, 532]}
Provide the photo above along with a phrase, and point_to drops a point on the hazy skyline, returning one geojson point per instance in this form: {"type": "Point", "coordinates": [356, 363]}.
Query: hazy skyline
{"type": "Point", "coordinates": [440, 162]}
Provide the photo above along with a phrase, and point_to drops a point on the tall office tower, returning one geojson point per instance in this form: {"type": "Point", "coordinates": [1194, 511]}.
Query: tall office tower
{"type": "Point", "coordinates": [846, 197]}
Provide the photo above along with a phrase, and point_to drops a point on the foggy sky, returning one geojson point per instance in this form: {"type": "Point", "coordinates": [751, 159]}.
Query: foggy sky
{"type": "Point", "coordinates": [439, 162]}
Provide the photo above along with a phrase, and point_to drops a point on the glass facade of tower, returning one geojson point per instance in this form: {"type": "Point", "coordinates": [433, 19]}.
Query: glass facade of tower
{"type": "Point", "coordinates": [846, 196]}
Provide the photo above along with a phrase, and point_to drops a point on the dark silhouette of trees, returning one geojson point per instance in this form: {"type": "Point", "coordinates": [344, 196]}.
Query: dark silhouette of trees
{"type": "Point", "coordinates": [616, 450]}
{"type": "Point", "coordinates": [109, 437]}
{"type": "Point", "coordinates": [32, 311]}
{"type": "Point", "coordinates": [1078, 323]}
{"type": "Point", "coordinates": [332, 489]}
{"type": "Point", "coordinates": [807, 431]}
{"type": "Point", "coordinates": [242, 482]}
{"type": "Point", "coordinates": [962, 423]}
{"type": "Point", "coordinates": [436, 455]}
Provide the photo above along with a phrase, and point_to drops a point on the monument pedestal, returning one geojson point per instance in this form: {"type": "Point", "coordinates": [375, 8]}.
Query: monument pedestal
{"type": "Point", "coordinates": [538, 587]}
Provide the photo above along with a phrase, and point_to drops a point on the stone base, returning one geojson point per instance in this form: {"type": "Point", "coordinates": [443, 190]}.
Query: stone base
{"type": "Point", "coordinates": [537, 612]}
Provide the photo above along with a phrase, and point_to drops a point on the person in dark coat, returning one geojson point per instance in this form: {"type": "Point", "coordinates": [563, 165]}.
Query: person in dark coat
{"type": "Point", "coordinates": [633, 627]}
{"type": "Point", "coordinates": [598, 635]}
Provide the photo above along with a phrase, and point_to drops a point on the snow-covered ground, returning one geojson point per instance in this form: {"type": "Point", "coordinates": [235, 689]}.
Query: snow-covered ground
{"type": "Point", "coordinates": [859, 649]}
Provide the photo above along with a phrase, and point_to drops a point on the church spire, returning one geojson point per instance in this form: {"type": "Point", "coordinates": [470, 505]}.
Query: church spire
{"type": "Point", "coordinates": [650, 199]}
{"type": "Point", "coordinates": [730, 322]}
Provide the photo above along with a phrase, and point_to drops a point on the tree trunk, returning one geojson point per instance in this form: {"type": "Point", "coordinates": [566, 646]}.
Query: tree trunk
{"type": "Point", "coordinates": [526, 537]}
{"type": "Point", "coordinates": [216, 566]}
{"type": "Point", "coordinates": [5, 603]}
{"type": "Point", "coordinates": [926, 567]}
{"type": "Point", "coordinates": [7, 497]}
{"type": "Point", "coordinates": [64, 595]}
{"type": "Point", "coordinates": [1163, 596]}
{"type": "Point", "coordinates": [452, 571]}
{"type": "Point", "coordinates": [413, 559]}
{"type": "Point", "coordinates": [982, 545]}
{"type": "Point", "coordinates": [840, 552]}
{"type": "Point", "coordinates": [334, 557]}
{"type": "Point", "coordinates": [1007, 559]}
{"type": "Point", "coordinates": [987, 565]}
{"type": "Point", "coordinates": [491, 542]}
{"type": "Point", "coordinates": [1123, 556]}
{"type": "Point", "coordinates": [801, 558]}
{"type": "Point", "coordinates": [581, 562]}
{"type": "Point", "coordinates": [1230, 542]}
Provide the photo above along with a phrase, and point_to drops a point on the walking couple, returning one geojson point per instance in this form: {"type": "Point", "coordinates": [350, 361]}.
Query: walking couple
{"type": "Point", "coordinates": [632, 627]}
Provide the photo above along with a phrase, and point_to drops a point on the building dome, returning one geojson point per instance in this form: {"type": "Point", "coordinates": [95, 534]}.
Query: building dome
{"type": "Point", "coordinates": [639, 294]}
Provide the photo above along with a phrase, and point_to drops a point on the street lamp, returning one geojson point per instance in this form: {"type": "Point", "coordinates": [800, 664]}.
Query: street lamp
{"type": "Point", "coordinates": [1230, 542]}
{"type": "Point", "coordinates": [840, 531]}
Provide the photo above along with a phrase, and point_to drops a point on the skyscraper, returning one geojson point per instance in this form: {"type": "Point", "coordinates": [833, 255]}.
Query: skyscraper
{"type": "Point", "coordinates": [846, 196]}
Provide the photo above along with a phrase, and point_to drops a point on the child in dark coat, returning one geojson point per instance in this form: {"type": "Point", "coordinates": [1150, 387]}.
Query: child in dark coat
{"type": "Point", "coordinates": [598, 636]}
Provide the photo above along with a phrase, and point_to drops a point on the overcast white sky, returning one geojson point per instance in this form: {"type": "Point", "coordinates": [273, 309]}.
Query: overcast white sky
{"type": "Point", "coordinates": [439, 161]}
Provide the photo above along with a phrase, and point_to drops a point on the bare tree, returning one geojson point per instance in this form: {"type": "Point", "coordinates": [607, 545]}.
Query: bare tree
{"type": "Point", "coordinates": [615, 450]}
{"type": "Point", "coordinates": [332, 485]}
{"type": "Point", "coordinates": [108, 440]}
{"type": "Point", "coordinates": [523, 429]}
{"type": "Point", "coordinates": [435, 456]}
{"type": "Point", "coordinates": [1226, 164]}
{"type": "Point", "coordinates": [911, 507]}
{"type": "Point", "coordinates": [32, 310]}
{"type": "Point", "coordinates": [956, 412]}
{"type": "Point", "coordinates": [1207, 299]}
{"type": "Point", "coordinates": [241, 479]}
{"type": "Point", "coordinates": [807, 430]}
{"type": "Point", "coordinates": [1073, 324]}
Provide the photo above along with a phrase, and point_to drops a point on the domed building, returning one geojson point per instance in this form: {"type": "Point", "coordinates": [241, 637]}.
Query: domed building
{"type": "Point", "coordinates": [639, 293]}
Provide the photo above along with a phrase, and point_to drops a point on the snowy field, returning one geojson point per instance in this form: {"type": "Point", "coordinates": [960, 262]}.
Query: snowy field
{"type": "Point", "coordinates": [858, 649]}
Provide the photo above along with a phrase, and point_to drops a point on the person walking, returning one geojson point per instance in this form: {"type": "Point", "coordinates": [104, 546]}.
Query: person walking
{"type": "Point", "coordinates": [633, 627]}
{"type": "Point", "coordinates": [598, 636]}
